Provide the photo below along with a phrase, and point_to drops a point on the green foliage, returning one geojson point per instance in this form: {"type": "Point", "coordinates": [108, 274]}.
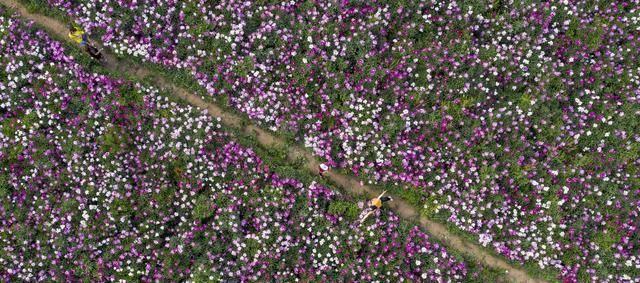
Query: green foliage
{"type": "Point", "coordinates": [306, 6]}
{"type": "Point", "coordinates": [175, 170]}
{"type": "Point", "coordinates": [573, 31]}
{"type": "Point", "coordinates": [594, 36]}
{"type": "Point", "coordinates": [584, 160]}
{"type": "Point", "coordinates": [5, 188]}
{"type": "Point", "coordinates": [519, 174]}
{"type": "Point", "coordinates": [487, 172]}
{"type": "Point", "coordinates": [8, 127]}
{"type": "Point", "coordinates": [34, 6]}
{"type": "Point", "coordinates": [245, 67]}
{"type": "Point", "coordinates": [430, 205]}
{"type": "Point", "coordinates": [202, 208]}
{"type": "Point", "coordinates": [632, 154]}
{"type": "Point", "coordinates": [328, 122]}
{"type": "Point", "coordinates": [113, 140]}
{"type": "Point", "coordinates": [456, 83]}
{"type": "Point", "coordinates": [413, 196]}
{"type": "Point", "coordinates": [222, 200]}
{"type": "Point", "coordinates": [165, 113]}
{"type": "Point", "coordinates": [279, 153]}
{"type": "Point", "coordinates": [607, 238]}
{"type": "Point", "coordinates": [463, 48]}
{"type": "Point", "coordinates": [252, 247]}
{"type": "Point", "coordinates": [266, 2]}
{"type": "Point", "coordinates": [165, 195]}
{"type": "Point", "coordinates": [347, 209]}
{"type": "Point", "coordinates": [202, 275]}
{"type": "Point", "coordinates": [120, 207]}
{"type": "Point", "coordinates": [524, 102]}
{"type": "Point", "coordinates": [488, 54]}
{"type": "Point", "coordinates": [484, 274]}
{"type": "Point", "coordinates": [28, 120]}
{"type": "Point", "coordinates": [130, 95]}
{"type": "Point", "coordinates": [76, 107]}
{"type": "Point", "coordinates": [14, 151]}
{"type": "Point", "coordinates": [453, 109]}
{"type": "Point", "coordinates": [555, 85]}
{"type": "Point", "coordinates": [69, 205]}
{"type": "Point", "coordinates": [393, 125]}
{"type": "Point", "coordinates": [92, 270]}
{"type": "Point", "coordinates": [253, 23]}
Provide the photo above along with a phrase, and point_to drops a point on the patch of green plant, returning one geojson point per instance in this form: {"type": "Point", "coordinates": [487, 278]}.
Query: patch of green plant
{"type": "Point", "coordinates": [347, 209]}
{"type": "Point", "coordinates": [130, 95]}
{"type": "Point", "coordinates": [5, 188]}
{"type": "Point", "coordinates": [595, 34]}
{"type": "Point", "coordinates": [277, 152]}
{"type": "Point", "coordinates": [202, 208]}
{"type": "Point", "coordinates": [412, 195]}
{"type": "Point", "coordinates": [245, 67]}
{"type": "Point", "coordinates": [175, 170]}
{"type": "Point", "coordinates": [69, 205]}
{"type": "Point", "coordinates": [113, 140]}
{"type": "Point", "coordinates": [28, 120]}
{"type": "Point", "coordinates": [488, 53]}
{"type": "Point", "coordinates": [606, 239]}
{"type": "Point", "coordinates": [8, 127]}
{"type": "Point", "coordinates": [204, 275]}
{"type": "Point", "coordinates": [119, 208]}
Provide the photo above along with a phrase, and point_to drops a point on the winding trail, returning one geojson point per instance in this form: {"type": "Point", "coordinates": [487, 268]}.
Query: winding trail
{"type": "Point", "coordinates": [232, 120]}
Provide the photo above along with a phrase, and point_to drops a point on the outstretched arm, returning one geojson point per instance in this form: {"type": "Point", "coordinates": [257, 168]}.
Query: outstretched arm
{"type": "Point", "coordinates": [366, 216]}
{"type": "Point", "coordinates": [382, 194]}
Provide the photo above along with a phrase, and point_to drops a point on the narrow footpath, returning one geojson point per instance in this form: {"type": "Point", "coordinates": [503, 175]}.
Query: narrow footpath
{"type": "Point", "coordinates": [232, 120]}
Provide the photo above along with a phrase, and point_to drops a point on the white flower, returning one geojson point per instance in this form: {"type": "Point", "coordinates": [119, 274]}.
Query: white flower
{"type": "Point", "coordinates": [485, 239]}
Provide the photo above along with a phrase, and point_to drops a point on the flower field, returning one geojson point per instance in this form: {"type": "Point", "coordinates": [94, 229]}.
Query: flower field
{"type": "Point", "coordinates": [103, 179]}
{"type": "Point", "coordinates": [517, 123]}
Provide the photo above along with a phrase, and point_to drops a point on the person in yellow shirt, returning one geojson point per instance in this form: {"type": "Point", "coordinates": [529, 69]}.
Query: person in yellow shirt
{"type": "Point", "coordinates": [77, 34]}
{"type": "Point", "coordinates": [376, 204]}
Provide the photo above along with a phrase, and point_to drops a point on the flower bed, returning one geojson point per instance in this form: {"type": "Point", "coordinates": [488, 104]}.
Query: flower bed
{"type": "Point", "coordinates": [107, 180]}
{"type": "Point", "coordinates": [517, 123]}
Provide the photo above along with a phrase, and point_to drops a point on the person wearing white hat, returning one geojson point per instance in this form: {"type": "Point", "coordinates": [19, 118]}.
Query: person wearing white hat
{"type": "Point", "coordinates": [323, 168]}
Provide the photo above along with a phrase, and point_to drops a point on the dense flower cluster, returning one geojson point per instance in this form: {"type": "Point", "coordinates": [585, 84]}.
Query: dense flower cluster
{"type": "Point", "coordinates": [516, 122]}
{"type": "Point", "coordinates": [108, 180]}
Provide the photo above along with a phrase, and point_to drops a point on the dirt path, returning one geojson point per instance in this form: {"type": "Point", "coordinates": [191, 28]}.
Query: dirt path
{"type": "Point", "coordinates": [265, 138]}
